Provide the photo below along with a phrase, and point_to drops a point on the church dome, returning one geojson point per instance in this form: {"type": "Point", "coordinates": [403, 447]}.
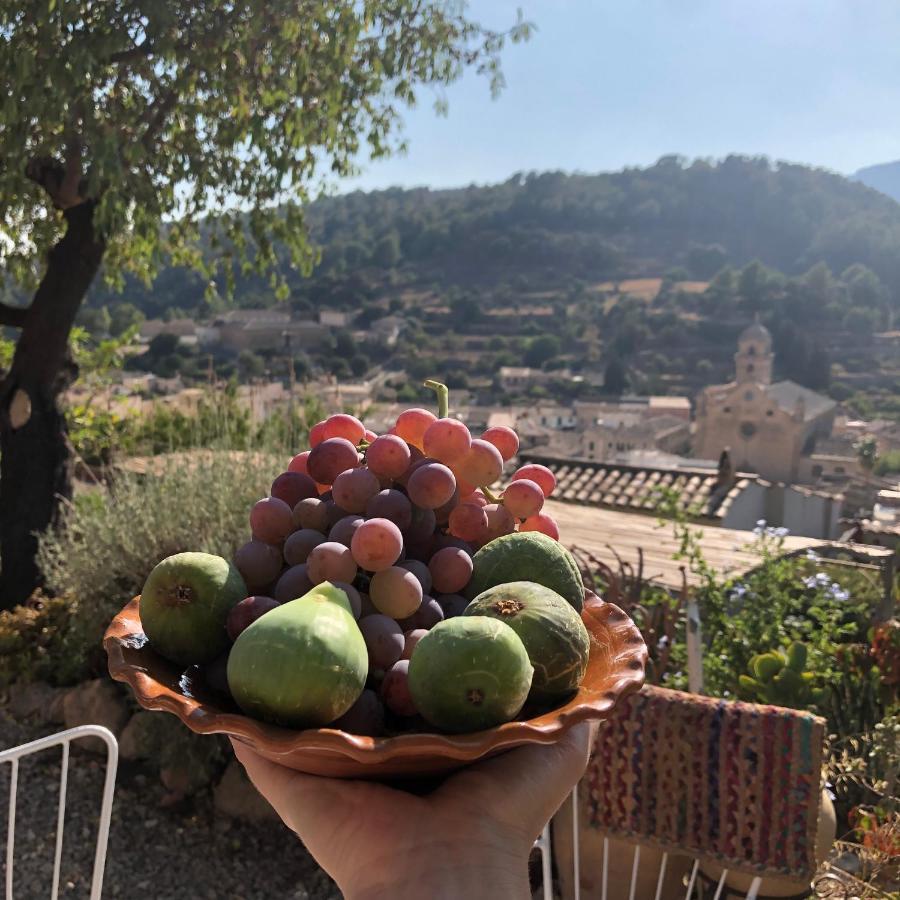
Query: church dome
{"type": "Point", "coordinates": [756, 332]}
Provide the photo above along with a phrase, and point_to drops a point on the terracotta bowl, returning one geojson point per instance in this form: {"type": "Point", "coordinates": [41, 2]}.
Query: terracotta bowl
{"type": "Point", "coordinates": [615, 669]}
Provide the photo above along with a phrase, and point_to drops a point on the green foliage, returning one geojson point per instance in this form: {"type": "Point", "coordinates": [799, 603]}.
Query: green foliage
{"type": "Point", "coordinates": [214, 112]}
{"type": "Point", "coordinates": [781, 679]}
{"type": "Point", "coordinates": [100, 553]}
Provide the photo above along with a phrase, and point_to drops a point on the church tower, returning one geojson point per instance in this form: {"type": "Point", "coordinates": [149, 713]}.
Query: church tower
{"type": "Point", "coordinates": [753, 360]}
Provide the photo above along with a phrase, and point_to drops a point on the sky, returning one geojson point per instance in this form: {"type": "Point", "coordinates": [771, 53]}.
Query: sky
{"type": "Point", "coordinates": [605, 84]}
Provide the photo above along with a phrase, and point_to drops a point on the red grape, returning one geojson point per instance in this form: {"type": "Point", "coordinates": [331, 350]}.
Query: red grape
{"type": "Point", "coordinates": [354, 488]}
{"type": "Point", "coordinates": [426, 616]}
{"type": "Point", "coordinates": [292, 487]}
{"type": "Point", "coordinates": [270, 520]}
{"type": "Point", "coordinates": [341, 425]}
{"type": "Point", "coordinates": [411, 425]}
{"type": "Point", "coordinates": [396, 592]}
{"type": "Point", "coordinates": [343, 530]}
{"type": "Point", "coordinates": [370, 435]}
{"type": "Point", "coordinates": [293, 584]}
{"type": "Point", "coordinates": [420, 570]}
{"type": "Point", "coordinates": [395, 690]}
{"type": "Point", "coordinates": [523, 498]}
{"type": "Point", "coordinates": [469, 522]}
{"type": "Point", "coordinates": [543, 523]}
{"type": "Point", "coordinates": [384, 640]}
{"type": "Point", "coordinates": [504, 439]}
{"type": "Point", "coordinates": [299, 545]}
{"type": "Point", "coordinates": [541, 475]}
{"type": "Point", "coordinates": [365, 717]}
{"type": "Point", "coordinates": [376, 545]}
{"type": "Point", "coordinates": [353, 597]}
{"type": "Point", "coordinates": [447, 440]}
{"type": "Point", "coordinates": [298, 463]}
{"type": "Point", "coordinates": [451, 569]}
{"type": "Point", "coordinates": [482, 465]}
{"type": "Point", "coordinates": [259, 563]}
{"type": "Point", "coordinates": [330, 458]}
{"type": "Point", "coordinates": [477, 497]}
{"type": "Point", "coordinates": [388, 456]}
{"type": "Point", "coordinates": [311, 513]}
{"type": "Point", "coordinates": [334, 513]}
{"type": "Point", "coordinates": [330, 561]}
{"type": "Point", "coordinates": [431, 485]}
{"type": "Point", "coordinates": [317, 434]}
{"type": "Point", "coordinates": [248, 610]}
{"type": "Point", "coordinates": [452, 604]}
{"type": "Point", "coordinates": [500, 521]}
{"type": "Point", "coordinates": [393, 505]}
{"type": "Point", "coordinates": [442, 513]}
{"type": "Point", "coordinates": [422, 525]}
{"type": "Point", "coordinates": [416, 461]}
{"type": "Point", "coordinates": [412, 638]}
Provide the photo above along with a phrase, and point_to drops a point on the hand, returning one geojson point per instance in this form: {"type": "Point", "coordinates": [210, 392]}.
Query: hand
{"type": "Point", "coordinates": [470, 837]}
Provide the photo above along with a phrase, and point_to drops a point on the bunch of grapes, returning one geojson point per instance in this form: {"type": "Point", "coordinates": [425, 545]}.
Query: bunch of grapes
{"type": "Point", "coordinates": [393, 520]}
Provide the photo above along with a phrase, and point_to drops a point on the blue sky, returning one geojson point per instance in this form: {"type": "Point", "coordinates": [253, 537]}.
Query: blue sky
{"type": "Point", "coordinates": [610, 83]}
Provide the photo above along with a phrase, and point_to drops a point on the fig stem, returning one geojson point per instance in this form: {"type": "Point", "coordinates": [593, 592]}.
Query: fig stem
{"type": "Point", "coordinates": [443, 397]}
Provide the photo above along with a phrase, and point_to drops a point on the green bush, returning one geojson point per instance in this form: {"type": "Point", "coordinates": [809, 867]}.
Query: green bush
{"type": "Point", "coordinates": [108, 541]}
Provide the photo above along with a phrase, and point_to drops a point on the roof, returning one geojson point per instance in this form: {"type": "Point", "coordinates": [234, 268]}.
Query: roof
{"type": "Point", "coordinates": [637, 488]}
{"type": "Point", "coordinates": [787, 394]}
{"type": "Point", "coordinates": [604, 533]}
{"type": "Point", "coordinates": [756, 332]}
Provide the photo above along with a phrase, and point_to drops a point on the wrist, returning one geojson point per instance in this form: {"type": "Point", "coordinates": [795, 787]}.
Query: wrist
{"type": "Point", "coordinates": [446, 872]}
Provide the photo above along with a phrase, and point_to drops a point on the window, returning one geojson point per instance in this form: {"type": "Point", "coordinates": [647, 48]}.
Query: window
{"type": "Point", "coordinates": [726, 409]}
{"type": "Point", "coordinates": [816, 471]}
{"type": "Point", "coordinates": [748, 395]}
{"type": "Point", "coordinates": [748, 429]}
{"type": "Point", "coordinates": [770, 412]}
{"type": "Point", "coordinates": [591, 446]}
{"type": "Point", "coordinates": [838, 470]}
{"type": "Point", "coordinates": [751, 351]}
{"type": "Point", "coordinates": [749, 368]}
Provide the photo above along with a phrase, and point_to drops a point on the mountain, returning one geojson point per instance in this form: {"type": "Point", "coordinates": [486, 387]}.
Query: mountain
{"type": "Point", "coordinates": [884, 177]}
{"type": "Point", "coordinates": [551, 228]}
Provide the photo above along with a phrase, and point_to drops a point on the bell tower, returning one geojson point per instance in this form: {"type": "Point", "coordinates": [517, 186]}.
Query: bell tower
{"type": "Point", "coordinates": [753, 360]}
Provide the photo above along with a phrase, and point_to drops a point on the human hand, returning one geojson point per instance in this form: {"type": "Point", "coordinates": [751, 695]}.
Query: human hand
{"type": "Point", "coordinates": [470, 837]}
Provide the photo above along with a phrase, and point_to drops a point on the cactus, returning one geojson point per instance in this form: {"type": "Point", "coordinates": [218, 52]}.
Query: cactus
{"type": "Point", "coordinates": [781, 679]}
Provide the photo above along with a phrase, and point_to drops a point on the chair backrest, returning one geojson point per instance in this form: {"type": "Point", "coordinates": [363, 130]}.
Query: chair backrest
{"type": "Point", "coordinates": [63, 739]}
{"type": "Point", "coordinates": [735, 784]}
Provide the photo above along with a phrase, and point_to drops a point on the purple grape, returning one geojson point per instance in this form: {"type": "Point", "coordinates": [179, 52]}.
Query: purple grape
{"type": "Point", "coordinates": [412, 638]}
{"type": "Point", "coordinates": [366, 606]}
{"type": "Point", "coordinates": [422, 525]}
{"type": "Point", "coordinates": [384, 640]}
{"type": "Point", "coordinates": [353, 596]}
{"type": "Point", "coordinates": [343, 530]}
{"type": "Point", "coordinates": [452, 604]}
{"type": "Point", "coordinates": [299, 545]}
{"type": "Point", "coordinates": [247, 611]}
{"type": "Point", "coordinates": [393, 505]}
{"type": "Point", "coordinates": [311, 513]}
{"type": "Point", "coordinates": [259, 563]}
{"type": "Point", "coordinates": [420, 570]}
{"type": "Point", "coordinates": [294, 583]}
{"type": "Point", "coordinates": [292, 487]}
{"type": "Point", "coordinates": [365, 717]}
{"type": "Point", "coordinates": [426, 616]}
{"type": "Point", "coordinates": [395, 689]}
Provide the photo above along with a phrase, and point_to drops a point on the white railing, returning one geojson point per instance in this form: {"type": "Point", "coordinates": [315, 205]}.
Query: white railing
{"type": "Point", "coordinates": [63, 739]}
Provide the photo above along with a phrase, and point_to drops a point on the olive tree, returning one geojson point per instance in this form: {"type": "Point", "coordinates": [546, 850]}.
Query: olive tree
{"type": "Point", "coordinates": [133, 131]}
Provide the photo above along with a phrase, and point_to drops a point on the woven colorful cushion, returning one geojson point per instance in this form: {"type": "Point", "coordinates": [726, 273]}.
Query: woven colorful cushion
{"type": "Point", "coordinates": [731, 782]}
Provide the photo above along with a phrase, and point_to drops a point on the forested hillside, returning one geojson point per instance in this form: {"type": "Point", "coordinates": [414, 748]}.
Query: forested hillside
{"type": "Point", "coordinates": [547, 228]}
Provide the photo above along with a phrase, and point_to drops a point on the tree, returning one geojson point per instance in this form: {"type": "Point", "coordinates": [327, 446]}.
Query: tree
{"type": "Point", "coordinates": [541, 349]}
{"type": "Point", "coordinates": [133, 130]}
{"type": "Point", "coordinates": [615, 378]}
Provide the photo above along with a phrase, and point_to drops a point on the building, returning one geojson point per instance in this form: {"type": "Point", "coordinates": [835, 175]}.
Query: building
{"type": "Point", "coordinates": [714, 496]}
{"type": "Point", "coordinates": [767, 427]}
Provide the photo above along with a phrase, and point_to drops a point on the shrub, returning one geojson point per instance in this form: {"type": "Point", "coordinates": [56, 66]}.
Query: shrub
{"type": "Point", "coordinates": [101, 552]}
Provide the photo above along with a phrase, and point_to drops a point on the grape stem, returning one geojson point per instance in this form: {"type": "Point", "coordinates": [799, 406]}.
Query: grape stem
{"type": "Point", "coordinates": [443, 397]}
{"type": "Point", "coordinates": [489, 495]}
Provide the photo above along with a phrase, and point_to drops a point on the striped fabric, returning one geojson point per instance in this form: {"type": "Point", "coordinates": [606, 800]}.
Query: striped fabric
{"type": "Point", "coordinates": [733, 783]}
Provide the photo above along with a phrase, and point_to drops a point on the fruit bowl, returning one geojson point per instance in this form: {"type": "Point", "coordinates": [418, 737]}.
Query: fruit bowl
{"type": "Point", "coordinates": [615, 669]}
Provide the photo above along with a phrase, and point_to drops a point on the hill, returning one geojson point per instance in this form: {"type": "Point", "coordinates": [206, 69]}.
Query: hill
{"type": "Point", "coordinates": [548, 229]}
{"type": "Point", "coordinates": [884, 177]}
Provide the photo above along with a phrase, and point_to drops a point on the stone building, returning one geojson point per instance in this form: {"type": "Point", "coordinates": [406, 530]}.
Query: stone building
{"type": "Point", "coordinates": [768, 427]}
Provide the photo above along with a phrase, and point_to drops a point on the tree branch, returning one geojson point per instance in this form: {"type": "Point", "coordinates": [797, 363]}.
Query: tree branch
{"type": "Point", "coordinates": [138, 52]}
{"type": "Point", "coordinates": [13, 316]}
{"type": "Point", "coordinates": [56, 179]}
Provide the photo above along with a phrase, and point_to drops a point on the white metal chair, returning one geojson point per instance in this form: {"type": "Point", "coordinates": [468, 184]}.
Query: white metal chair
{"type": "Point", "coordinates": [63, 739]}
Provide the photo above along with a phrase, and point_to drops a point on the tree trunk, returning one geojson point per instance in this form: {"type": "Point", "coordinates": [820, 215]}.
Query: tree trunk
{"type": "Point", "coordinates": [35, 469]}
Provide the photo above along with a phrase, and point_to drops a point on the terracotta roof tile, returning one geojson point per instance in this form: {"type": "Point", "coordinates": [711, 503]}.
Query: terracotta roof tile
{"type": "Point", "coordinates": [638, 488]}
